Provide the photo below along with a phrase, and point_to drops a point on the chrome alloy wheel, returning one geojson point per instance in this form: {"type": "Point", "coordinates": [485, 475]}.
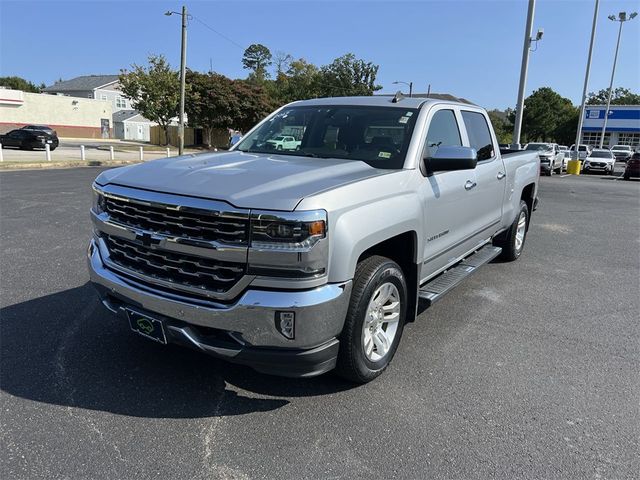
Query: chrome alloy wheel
{"type": "Point", "coordinates": [521, 230]}
{"type": "Point", "coordinates": [381, 322]}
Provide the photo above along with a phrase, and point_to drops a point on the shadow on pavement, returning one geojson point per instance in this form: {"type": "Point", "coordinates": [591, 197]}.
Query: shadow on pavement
{"type": "Point", "coordinates": [66, 349]}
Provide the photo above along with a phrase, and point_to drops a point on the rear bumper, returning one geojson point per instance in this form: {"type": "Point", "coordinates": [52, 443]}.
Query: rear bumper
{"type": "Point", "coordinates": [244, 332]}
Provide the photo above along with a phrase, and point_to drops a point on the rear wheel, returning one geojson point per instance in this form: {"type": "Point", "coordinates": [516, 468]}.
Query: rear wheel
{"type": "Point", "coordinates": [375, 320]}
{"type": "Point", "coordinates": [512, 240]}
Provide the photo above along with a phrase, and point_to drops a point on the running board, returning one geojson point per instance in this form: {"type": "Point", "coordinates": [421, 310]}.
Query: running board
{"type": "Point", "coordinates": [434, 289]}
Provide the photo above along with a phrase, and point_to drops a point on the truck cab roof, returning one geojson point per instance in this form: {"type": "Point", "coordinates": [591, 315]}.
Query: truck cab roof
{"type": "Point", "coordinates": [384, 101]}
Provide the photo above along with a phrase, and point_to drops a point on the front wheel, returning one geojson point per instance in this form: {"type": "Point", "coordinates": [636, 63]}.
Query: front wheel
{"type": "Point", "coordinates": [375, 320]}
{"type": "Point", "coordinates": [512, 240]}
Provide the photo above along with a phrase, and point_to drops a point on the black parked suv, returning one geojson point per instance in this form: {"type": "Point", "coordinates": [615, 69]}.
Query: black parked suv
{"type": "Point", "coordinates": [28, 138]}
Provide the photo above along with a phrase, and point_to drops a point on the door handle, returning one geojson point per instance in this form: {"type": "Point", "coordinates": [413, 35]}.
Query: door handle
{"type": "Point", "coordinates": [469, 185]}
{"type": "Point", "coordinates": [501, 175]}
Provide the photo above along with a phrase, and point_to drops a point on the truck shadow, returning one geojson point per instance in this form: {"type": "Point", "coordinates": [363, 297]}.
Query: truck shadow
{"type": "Point", "coordinates": [66, 349]}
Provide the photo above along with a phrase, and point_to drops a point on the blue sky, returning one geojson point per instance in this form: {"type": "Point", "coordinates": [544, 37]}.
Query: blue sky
{"type": "Point", "coordinates": [469, 48]}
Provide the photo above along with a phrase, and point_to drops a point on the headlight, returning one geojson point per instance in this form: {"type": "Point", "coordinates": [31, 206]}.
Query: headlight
{"type": "Point", "coordinates": [289, 245]}
{"type": "Point", "coordinates": [99, 204]}
{"type": "Point", "coordinates": [286, 231]}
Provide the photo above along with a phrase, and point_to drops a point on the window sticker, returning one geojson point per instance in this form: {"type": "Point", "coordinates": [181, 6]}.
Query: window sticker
{"type": "Point", "coordinates": [403, 120]}
{"type": "Point", "coordinates": [408, 114]}
{"type": "Point", "coordinates": [384, 155]}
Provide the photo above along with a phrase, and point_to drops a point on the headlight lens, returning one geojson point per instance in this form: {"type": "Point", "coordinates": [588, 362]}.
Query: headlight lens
{"type": "Point", "coordinates": [286, 231]}
{"type": "Point", "coordinates": [99, 204]}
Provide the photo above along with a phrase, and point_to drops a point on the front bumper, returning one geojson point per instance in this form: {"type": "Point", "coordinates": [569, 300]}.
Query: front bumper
{"type": "Point", "coordinates": [242, 332]}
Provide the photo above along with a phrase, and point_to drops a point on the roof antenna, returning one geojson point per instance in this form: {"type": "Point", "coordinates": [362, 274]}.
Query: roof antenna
{"type": "Point", "coordinates": [397, 97]}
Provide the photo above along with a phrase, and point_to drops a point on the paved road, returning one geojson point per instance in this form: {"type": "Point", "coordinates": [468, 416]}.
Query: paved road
{"type": "Point", "coordinates": [527, 370]}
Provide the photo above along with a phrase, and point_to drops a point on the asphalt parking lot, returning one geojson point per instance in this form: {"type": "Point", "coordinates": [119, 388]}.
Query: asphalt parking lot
{"type": "Point", "coordinates": [527, 370]}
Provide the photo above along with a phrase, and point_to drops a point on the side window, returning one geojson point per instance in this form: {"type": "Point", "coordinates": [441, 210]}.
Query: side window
{"type": "Point", "coordinates": [443, 131]}
{"type": "Point", "coordinates": [479, 134]}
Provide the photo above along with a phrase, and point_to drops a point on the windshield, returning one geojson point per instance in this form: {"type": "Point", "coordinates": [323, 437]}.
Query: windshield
{"type": "Point", "coordinates": [622, 147]}
{"type": "Point", "coordinates": [378, 136]}
{"type": "Point", "coordinates": [599, 154]}
{"type": "Point", "coordinates": [538, 146]}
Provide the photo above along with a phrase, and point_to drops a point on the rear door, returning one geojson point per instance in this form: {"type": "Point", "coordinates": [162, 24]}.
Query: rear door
{"type": "Point", "coordinates": [487, 195]}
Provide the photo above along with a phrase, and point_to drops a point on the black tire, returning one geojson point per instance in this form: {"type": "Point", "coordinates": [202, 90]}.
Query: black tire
{"type": "Point", "coordinates": [626, 176]}
{"type": "Point", "coordinates": [550, 172]}
{"type": "Point", "coordinates": [52, 148]}
{"type": "Point", "coordinates": [371, 273]}
{"type": "Point", "coordinates": [507, 239]}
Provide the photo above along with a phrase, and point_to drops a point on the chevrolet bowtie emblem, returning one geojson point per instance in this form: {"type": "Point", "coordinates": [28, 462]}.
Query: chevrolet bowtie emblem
{"type": "Point", "coordinates": [147, 239]}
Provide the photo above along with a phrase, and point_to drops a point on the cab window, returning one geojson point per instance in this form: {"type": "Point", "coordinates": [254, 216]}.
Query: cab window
{"type": "Point", "coordinates": [479, 134]}
{"type": "Point", "coordinates": [443, 132]}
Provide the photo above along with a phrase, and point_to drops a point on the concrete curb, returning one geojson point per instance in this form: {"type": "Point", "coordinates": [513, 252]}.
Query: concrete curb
{"type": "Point", "coordinates": [67, 164]}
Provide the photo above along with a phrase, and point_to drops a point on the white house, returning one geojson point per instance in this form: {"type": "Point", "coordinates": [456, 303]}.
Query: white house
{"type": "Point", "coordinates": [131, 125]}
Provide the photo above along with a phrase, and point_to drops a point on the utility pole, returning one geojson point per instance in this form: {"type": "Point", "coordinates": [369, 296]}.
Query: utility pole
{"type": "Point", "coordinates": [575, 154]}
{"type": "Point", "coordinates": [622, 17]}
{"type": "Point", "coordinates": [517, 127]}
{"type": "Point", "coordinates": [183, 68]}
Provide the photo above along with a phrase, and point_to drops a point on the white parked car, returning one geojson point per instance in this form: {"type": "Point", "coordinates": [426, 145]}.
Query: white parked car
{"type": "Point", "coordinates": [284, 142]}
{"type": "Point", "coordinates": [551, 158]}
{"type": "Point", "coordinates": [583, 151]}
{"type": "Point", "coordinates": [600, 160]}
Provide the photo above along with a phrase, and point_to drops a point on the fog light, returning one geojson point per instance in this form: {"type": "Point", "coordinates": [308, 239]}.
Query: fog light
{"type": "Point", "coordinates": [286, 323]}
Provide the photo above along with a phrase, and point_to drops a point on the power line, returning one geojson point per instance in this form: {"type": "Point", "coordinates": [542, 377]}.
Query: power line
{"type": "Point", "coordinates": [218, 33]}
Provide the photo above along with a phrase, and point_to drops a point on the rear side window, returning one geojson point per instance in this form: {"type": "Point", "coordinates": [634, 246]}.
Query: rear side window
{"type": "Point", "coordinates": [443, 132]}
{"type": "Point", "coordinates": [479, 134]}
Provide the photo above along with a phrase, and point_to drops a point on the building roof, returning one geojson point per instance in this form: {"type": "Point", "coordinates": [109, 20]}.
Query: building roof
{"type": "Point", "coordinates": [86, 82]}
{"type": "Point", "coordinates": [124, 115]}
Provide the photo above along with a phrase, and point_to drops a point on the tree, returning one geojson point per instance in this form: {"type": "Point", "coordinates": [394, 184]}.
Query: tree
{"type": "Point", "coordinates": [282, 61]}
{"type": "Point", "coordinates": [19, 83]}
{"type": "Point", "coordinates": [211, 102]}
{"type": "Point", "coordinates": [253, 104]}
{"type": "Point", "coordinates": [546, 116]}
{"type": "Point", "coordinates": [346, 76]}
{"type": "Point", "coordinates": [620, 96]}
{"type": "Point", "coordinates": [257, 58]}
{"type": "Point", "coordinates": [153, 90]}
{"type": "Point", "coordinates": [501, 125]}
{"type": "Point", "coordinates": [299, 82]}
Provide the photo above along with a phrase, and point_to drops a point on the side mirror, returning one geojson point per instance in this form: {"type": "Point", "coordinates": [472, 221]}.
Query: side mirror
{"type": "Point", "coordinates": [452, 158]}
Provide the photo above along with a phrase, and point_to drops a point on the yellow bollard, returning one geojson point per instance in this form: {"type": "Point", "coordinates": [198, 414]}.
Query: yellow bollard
{"type": "Point", "coordinates": [573, 167]}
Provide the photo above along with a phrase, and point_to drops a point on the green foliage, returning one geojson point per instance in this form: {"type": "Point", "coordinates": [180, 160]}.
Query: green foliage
{"type": "Point", "coordinates": [257, 58]}
{"type": "Point", "coordinates": [153, 90]}
{"type": "Point", "coordinates": [299, 82]}
{"type": "Point", "coordinates": [19, 83]}
{"type": "Point", "coordinates": [210, 102]}
{"type": "Point", "coordinates": [253, 104]}
{"type": "Point", "coordinates": [620, 96]}
{"type": "Point", "coordinates": [347, 76]}
{"type": "Point", "coordinates": [502, 125]}
{"type": "Point", "coordinates": [548, 117]}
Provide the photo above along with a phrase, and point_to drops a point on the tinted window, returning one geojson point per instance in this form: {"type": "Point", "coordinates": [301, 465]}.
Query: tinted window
{"type": "Point", "coordinates": [479, 134]}
{"type": "Point", "coordinates": [443, 131]}
{"type": "Point", "coordinates": [378, 136]}
{"type": "Point", "coordinates": [602, 154]}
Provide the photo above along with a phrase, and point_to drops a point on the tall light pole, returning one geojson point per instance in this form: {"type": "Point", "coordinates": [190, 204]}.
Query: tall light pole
{"type": "Point", "coordinates": [410, 85]}
{"type": "Point", "coordinates": [183, 68]}
{"type": "Point", "coordinates": [524, 68]}
{"type": "Point", "coordinates": [575, 155]}
{"type": "Point", "coordinates": [622, 17]}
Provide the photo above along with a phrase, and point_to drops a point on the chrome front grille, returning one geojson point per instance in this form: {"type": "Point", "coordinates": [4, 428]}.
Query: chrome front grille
{"type": "Point", "coordinates": [178, 270]}
{"type": "Point", "coordinates": [223, 227]}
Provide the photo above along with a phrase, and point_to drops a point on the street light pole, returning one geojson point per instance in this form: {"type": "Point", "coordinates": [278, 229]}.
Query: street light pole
{"type": "Point", "coordinates": [575, 155]}
{"type": "Point", "coordinates": [410, 85]}
{"type": "Point", "coordinates": [622, 17]}
{"type": "Point", "coordinates": [517, 127]}
{"type": "Point", "coordinates": [183, 68]}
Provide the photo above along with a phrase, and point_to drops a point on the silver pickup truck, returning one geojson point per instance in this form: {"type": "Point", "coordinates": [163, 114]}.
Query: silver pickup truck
{"type": "Point", "coordinates": [298, 262]}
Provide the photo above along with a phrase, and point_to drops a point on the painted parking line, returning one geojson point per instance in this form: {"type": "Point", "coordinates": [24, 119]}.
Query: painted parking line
{"type": "Point", "coordinates": [565, 175]}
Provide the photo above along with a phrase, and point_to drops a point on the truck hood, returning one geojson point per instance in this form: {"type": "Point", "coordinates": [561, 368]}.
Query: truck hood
{"type": "Point", "coordinates": [271, 182]}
